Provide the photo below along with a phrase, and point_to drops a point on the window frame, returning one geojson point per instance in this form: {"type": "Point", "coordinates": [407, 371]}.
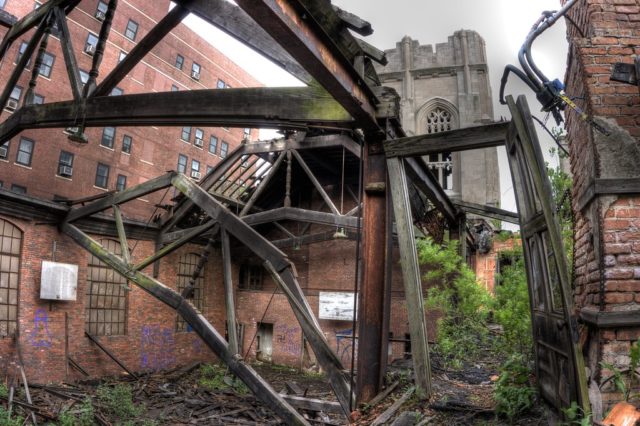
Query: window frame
{"type": "Point", "coordinates": [224, 149]}
{"type": "Point", "coordinates": [20, 189]}
{"type": "Point", "coordinates": [98, 175]}
{"type": "Point", "coordinates": [215, 145]}
{"type": "Point", "coordinates": [105, 137]}
{"type": "Point", "coordinates": [7, 144]}
{"type": "Point", "coordinates": [21, 49]}
{"type": "Point", "coordinates": [62, 163]}
{"type": "Point", "coordinates": [188, 133]}
{"type": "Point", "coordinates": [126, 147]}
{"type": "Point", "coordinates": [29, 153]}
{"type": "Point", "coordinates": [121, 182]}
{"type": "Point", "coordinates": [129, 30]}
{"type": "Point", "coordinates": [179, 62]}
{"type": "Point", "coordinates": [184, 166]}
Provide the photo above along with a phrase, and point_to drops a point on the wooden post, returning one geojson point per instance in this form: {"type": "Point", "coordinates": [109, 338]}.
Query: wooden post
{"type": "Point", "coordinates": [371, 297]}
{"type": "Point", "coordinates": [411, 274]}
{"type": "Point", "coordinates": [66, 346]}
{"type": "Point", "coordinates": [228, 293]}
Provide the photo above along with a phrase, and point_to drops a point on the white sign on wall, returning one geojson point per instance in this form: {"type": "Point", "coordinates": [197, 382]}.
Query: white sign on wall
{"type": "Point", "coordinates": [336, 306]}
{"type": "Point", "coordinates": [58, 281]}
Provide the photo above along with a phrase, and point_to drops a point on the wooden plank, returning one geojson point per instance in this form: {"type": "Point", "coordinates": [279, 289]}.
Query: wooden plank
{"type": "Point", "coordinates": [608, 186]}
{"type": "Point", "coordinates": [110, 354]}
{"type": "Point", "coordinates": [354, 22]}
{"type": "Point", "coordinates": [144, 46]}
{"type": "Point", "coordinates": [488, 211]}
{"type": "Point", "coordinates": [313, 404]}
{"type": "Point", "coordinates": [467, 138]}
{"type": "Point", "coordinates": [315, 182]}
{"type": "Point", "coordinates": [170, 237]}
{"type": "Point", "coordinates": [185, 237]}
{"type": "Point", "coordinates": [122, 236]}
{"type": "Point", "coordinates": [422, 178]}
{"type": "Point", "coordinates": [314, 142]}
{"type": "Point", "coordinates": [382, 395]}
{"type": "Point", "coordinates": [411, 276]}
{"type": "Point", "coordinates": [197, 321]}
{"type": "Point", "coordinates": [235, 22]}
{"type": "Point", "coordinates": [66, 44]}
{"type": "Point", "coordinates": [137, 191]}
{"type": "Point", "coordinates": [389, 412]}
{"type": "Point", "coordinates": [301, 215]}
{"type": "Point", "coordinates": [228, 293]}
{"type": "Point", "coordinates": [286, 108]}
{"type": "Point", "coordinates": [261, 188]}
{"type": "Point", "coordinates": [372, 52]}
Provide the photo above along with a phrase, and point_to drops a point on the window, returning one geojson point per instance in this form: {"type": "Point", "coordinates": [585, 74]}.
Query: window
{"type": "Point", "coordinates": [224, 149]}
{"type": "Point", "coordinates": [121, 56]}
{"type": "Point", "coordinates": [195, 169]}
{"type": "Point", "coordinates": [179, 61]}
{"type": "Point", "coordinates": [441, 165]}
{"type": "Point", "coordinates": [2, 4]}
{"type": "Point", "coordinates": [10, 252]}
{"type": "Point", "coordinates": [14, 98]}
{"type": "Point", "coordinates": [101, 11]}
{"type": "Point", "coordinates": [65, 164]}
{"type": "Point", "coordinates": [213, 145]}
{"type": "Point", "coordinates": [102, 175]}
{"type": "Point", "coordinates": [439, 120]}
{"type": "Point", "coordinates": [106, 302]}
{"type": "Point", "coordinates": [195, 71]}
{"type": "Point", "coordinates": [251, 277]}
{"type": "Point", "coordinates": [131, 30]}
{"type": "Point", "coordinates": [21, 50]}
{"type": "Point", "coordinates": [187, 265]}
{"type": "Point", "coordinates": [221, 84]}
{"type": "Point", "coordinates": [47, 65]}
{"type": "Point", "coordinates": [4, 151]}
{"type": "Point", "coordinates": [182, 163]}
{"type": "Point", "coordinates": [126, 144]}
{"type": "Point", "coordinates": [116, 91]}
{"type": "Point", "coordinates": [121, 183]}
{"type": "Point", "coordinates": [84, 77]}
{"type": "Point", "coordinates": [37, 99]}
{"type": "Point", "coordinates": [247, 133]}
{"type": "Point", "coordinates": [108, 135]}
{"type": "Point", "coordinates": [91, 43]}
{"type": "Point", "coordinates": [174, 88]}
{"type": "Point", "coordinates": [186, 134]}
{"type": "Point", "coordinates": [199, 137]}
{"type": "Point", "coordinates": [18, 189]}
{"type": "Point", "coordinates": [25, 152]}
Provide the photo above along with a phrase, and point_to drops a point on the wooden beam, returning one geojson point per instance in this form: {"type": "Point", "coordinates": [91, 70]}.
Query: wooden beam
{"type": "Point", "coordinates": [285, 22]}
{"type": "Point", "coordinates": [110, 354]}
{"type": "Point", "coordinates": [121, 197]}
{"type": "Point", "coordinates": [196, 320]}
{"type": "Point", "coordinates": [314, 142]}
{"type": "Point", "coordinates": [411, 276]}
{"type": "Point", "coordinates": [354, 22]}
{"type": "Point", "coordinates": [235, 22]}
{"type": "Point", "coordinates": [488, 211]}
{"type": "Point", "coordinates": [263, 185]}
{"type": "Point", "coordinates": [315, 183]}
{"type": "Point", "coordinates": [422, 178]}
{"type": "Point", "coordinates": [66, 44]}
{"type": "Point", "coordinates": [313, 404]}
{"type": "Point", "coordinates": [467, 138]}
{"type": "Point", "coordinates": [372, 52]}
{"type": "Point", "coordinates": [230, 305]}
{"type": "Point", "coordinates": [608, 186]}
{"type": "Point", "coordinates": [169, 237]}
{"type": "Point", "coordinates": [144, 46]}
{"type": "Point", "coordinates": [301, 215]}
{"type": "Point", "coordinates": [122, 236]}
{"type": "Point", "coordinates": [290, 108]}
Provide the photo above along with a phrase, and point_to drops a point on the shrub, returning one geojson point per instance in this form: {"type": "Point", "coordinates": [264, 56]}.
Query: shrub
{"type": "Point", "coordinates": [7, 420]}
{"type": "Point", "coordinates": [213, 377]}
{"type": "Point", "coordinates": [118, 401]}
{"type": "Point", "coordinates": [513, 393]}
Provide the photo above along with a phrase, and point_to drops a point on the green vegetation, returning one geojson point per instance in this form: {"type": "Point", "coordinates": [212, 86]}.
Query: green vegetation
{"type": "Point", "coordinates": [514, 394]}
{"type": "Point", "coordinates": [561, 184]}
{"type": "Point", "coordinates": [625, 381]}
{"type": "Point", "coordinates": [465, 305]}
{"type": "Point", "coordinates": [117, 401]}
{"type": "Point", "coordinates": [213, 377]}
{"type": "Point", "coordinates": [82, 415]}
{"type": "Point", "coordinates": [6, 419]}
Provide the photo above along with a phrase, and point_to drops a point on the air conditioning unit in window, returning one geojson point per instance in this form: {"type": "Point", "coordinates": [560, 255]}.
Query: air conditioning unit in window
{"type": "Point", "coordinates": [12, 105]}
{"type": "Point", "coordinates": [100, 15]}
{"type": "Point", "coordinates": [65, 171]}
{"type": "Point", "coordinates": [195, 75]}
{"type": "Point", "coordinates": [90, 49]}
{"type": "Point", "coordinates": [198, 142]}
{"type": "Point", "coordinates": [195, 175]}
{"type": "Point", "coordinates": [4, 151]}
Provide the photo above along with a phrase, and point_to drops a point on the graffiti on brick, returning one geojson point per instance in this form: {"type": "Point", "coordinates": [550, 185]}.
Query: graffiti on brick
{"type": "Point", "coordinates": [40, 336]}
{"type": "Point", "coordinates": [344, 345]}
{"type": "Point", "coordinates": [288, 338]}
{"type": "Point", "coordinates": [157, 347]}
{"type": "Point", "coordinates": [197, 345]}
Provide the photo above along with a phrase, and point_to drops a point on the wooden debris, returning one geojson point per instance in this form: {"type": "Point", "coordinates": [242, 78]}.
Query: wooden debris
{"type": "Point", "coordinates": [382, 395]}
{"type": "Point", "coordinates": [386, 416]}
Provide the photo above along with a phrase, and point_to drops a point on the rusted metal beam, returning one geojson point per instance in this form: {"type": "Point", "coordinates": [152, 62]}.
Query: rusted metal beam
{"type": "Point", "coordinates": [292, 108]}
{"type": "Point", "coordinates": [371, 295]}
{"type": "Point", "coordinates": [293, 30]}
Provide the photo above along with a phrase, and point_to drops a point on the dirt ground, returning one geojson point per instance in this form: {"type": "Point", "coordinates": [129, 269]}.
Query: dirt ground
{"type": "Point", "coordinates": [202, 395]}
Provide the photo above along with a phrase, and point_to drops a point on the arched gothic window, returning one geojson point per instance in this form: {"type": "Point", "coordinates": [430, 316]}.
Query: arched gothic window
{"type": "Point", "coordinates": [440, 120]}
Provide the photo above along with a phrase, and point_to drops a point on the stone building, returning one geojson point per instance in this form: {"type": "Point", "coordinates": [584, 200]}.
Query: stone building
{"type": "Point", "coordinates": [444, 88]}
{"type": "Point", "coordinates": [605, 193]}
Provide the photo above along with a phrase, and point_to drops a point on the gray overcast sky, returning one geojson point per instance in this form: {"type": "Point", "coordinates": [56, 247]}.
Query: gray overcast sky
{"type": "Point", "coordinates": [503, 24]}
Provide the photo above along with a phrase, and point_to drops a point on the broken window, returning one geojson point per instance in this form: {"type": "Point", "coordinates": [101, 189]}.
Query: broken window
{"type": "Point", "coordinates": [106, 303]}
{"type": "Point", "coordinates": [186, 267]}
{"type": "Point", "coordinates": [251, 277]}
{"type": "Point", "coordinates": [10, 246]}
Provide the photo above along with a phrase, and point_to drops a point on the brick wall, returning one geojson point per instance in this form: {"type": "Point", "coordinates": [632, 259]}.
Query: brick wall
{"type": "Point", "coordinates": [607, 231]}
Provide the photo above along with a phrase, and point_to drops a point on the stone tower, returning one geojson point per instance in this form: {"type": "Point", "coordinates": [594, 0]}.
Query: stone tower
{"type": "Point", "coordinates": [445, 89]}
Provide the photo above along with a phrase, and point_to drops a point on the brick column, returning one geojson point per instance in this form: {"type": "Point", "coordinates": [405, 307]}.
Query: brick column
{"type": "Point", "coordinates": [607, 229]}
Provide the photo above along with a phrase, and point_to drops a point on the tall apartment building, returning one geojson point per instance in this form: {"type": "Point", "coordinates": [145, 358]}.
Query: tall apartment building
{"type": "Point", "coordinates": [47, 164]}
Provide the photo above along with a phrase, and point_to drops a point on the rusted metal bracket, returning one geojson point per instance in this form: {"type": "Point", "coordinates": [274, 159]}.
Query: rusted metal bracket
{"type": "Point", "coordinates": [626, 73]}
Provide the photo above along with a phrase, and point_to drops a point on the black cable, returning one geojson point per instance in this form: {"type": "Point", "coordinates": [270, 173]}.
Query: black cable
{"type": "Point", "coordinates": [521, 75]}
{"type": "Point", "coordinates": [570, 19]}
{"type": "Point", "coordinates": [551, 134]}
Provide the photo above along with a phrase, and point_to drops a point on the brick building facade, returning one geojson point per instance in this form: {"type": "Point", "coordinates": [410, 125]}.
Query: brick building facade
{"type": "Point", "coordinates": [607, 241]}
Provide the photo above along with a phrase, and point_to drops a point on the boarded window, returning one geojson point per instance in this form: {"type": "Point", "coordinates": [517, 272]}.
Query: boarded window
{"type": "Point", "coordinates": [186, 267]}
{"type": "Point", "coordinates": [106, 304]}
{"type": "Point", "coordinates": [10, 243]}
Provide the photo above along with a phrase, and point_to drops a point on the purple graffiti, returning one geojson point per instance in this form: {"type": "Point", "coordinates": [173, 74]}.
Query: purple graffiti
{"type": "Point", "coordinates": [289, 339]}
{"type": "Point", "coordinates": [344, 345]}
{"type": "Point", "coordinates": [157, 347]}
{"type": "Point", "coordinates": [40, 336]}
